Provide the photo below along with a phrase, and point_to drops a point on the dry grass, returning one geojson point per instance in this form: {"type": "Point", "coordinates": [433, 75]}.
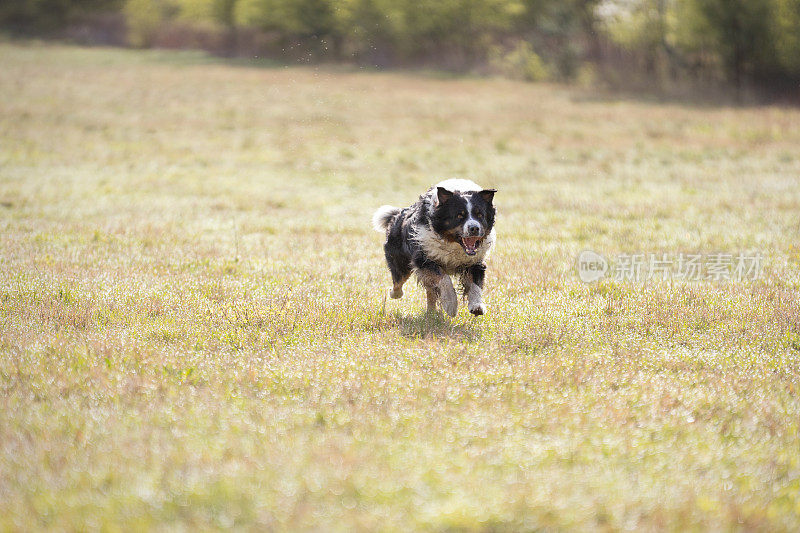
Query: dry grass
{"type": "Point", "coordinates": [194, 332]}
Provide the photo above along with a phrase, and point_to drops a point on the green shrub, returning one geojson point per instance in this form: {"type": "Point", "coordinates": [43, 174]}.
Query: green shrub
{"type": "Point", "coordinates": [144, 18]}
{"type": "Point", "coordinates": [521, 62]}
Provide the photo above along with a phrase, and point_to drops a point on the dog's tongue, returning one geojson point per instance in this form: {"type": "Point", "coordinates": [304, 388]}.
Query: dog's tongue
{"type": "Point", "coordinates": [469, 244]}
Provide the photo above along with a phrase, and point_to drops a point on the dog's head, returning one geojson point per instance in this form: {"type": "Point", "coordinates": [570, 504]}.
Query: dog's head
{"type": "Point", "coordinates": [463, 217]}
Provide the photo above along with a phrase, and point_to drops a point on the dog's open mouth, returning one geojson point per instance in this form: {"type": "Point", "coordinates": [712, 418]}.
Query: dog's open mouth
{"type": "Point", "coordinates": [471, 244]}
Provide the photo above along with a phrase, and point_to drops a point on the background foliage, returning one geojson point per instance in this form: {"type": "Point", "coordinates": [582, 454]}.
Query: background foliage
{"type": "Point", "coordinates": [744, 42]}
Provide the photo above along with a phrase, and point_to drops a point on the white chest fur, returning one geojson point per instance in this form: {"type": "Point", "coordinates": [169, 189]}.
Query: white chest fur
{"type": "Point", "coordinates": [450, 255]}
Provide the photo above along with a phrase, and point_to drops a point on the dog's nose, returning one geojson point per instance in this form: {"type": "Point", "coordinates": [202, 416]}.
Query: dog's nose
{"type": "Point", "coordinates": [473, 229]}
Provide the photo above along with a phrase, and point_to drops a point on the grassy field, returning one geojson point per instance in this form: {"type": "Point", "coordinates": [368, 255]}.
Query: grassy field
{"type": "Point", "coordinates": [194, 332]}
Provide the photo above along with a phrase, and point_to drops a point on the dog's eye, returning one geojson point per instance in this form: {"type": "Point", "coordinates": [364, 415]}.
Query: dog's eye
{"type": "Point", "coordinates": [479, 215]}
{"type": "Point", "coordinates": [462, 214]}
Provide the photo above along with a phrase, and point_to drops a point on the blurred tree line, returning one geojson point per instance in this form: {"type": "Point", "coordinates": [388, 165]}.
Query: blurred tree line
{"type": "Point", "coordinates": [743, 42]}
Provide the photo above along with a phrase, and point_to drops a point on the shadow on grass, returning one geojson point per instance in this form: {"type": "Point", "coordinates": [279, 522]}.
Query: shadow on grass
{"type": "Point", "coordinates": [434, 325]}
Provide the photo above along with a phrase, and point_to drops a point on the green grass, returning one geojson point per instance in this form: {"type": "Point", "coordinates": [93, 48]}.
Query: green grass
{"type": "Point", "coordinates": [194, 333]}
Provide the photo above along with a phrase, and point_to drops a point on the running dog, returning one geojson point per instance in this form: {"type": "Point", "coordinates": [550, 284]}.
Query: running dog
{"type": "Point", "coordinates": [448, 231]}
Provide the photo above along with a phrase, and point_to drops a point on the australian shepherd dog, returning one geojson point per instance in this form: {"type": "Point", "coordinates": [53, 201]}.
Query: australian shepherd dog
{"type": "Point", "coordinates": [449, 231]}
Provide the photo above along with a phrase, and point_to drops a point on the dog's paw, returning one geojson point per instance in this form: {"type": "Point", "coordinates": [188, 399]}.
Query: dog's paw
{"type": "Point", "coordinates": [477, 309]}
{"type": "Point", "coordinates": [396, 293]}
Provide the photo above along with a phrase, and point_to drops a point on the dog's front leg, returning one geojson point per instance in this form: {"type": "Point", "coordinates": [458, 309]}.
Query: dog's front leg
{"type": "Point", "coordinates": [472, 280]}
{"type": "Point", "coordinates": [447, 295]}
{"type": "Point", "coordinates": [437, 284]}
{"type": "Point", "coordinates": [432, 299]}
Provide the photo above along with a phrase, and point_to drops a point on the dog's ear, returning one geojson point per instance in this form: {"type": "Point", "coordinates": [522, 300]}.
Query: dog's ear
{"type": "Point", "coordinates": [443, 195]}
{"type": "Point", "coordinates": [488, 195]}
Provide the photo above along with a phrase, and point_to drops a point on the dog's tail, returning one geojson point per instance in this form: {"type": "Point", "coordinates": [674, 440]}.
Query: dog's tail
{"type": "Point", "coordinates": [383, 216]}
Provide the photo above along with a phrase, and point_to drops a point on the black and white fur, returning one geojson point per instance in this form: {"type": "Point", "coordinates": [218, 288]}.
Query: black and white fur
{"type": "Point", "coordinates": [448, 231]}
